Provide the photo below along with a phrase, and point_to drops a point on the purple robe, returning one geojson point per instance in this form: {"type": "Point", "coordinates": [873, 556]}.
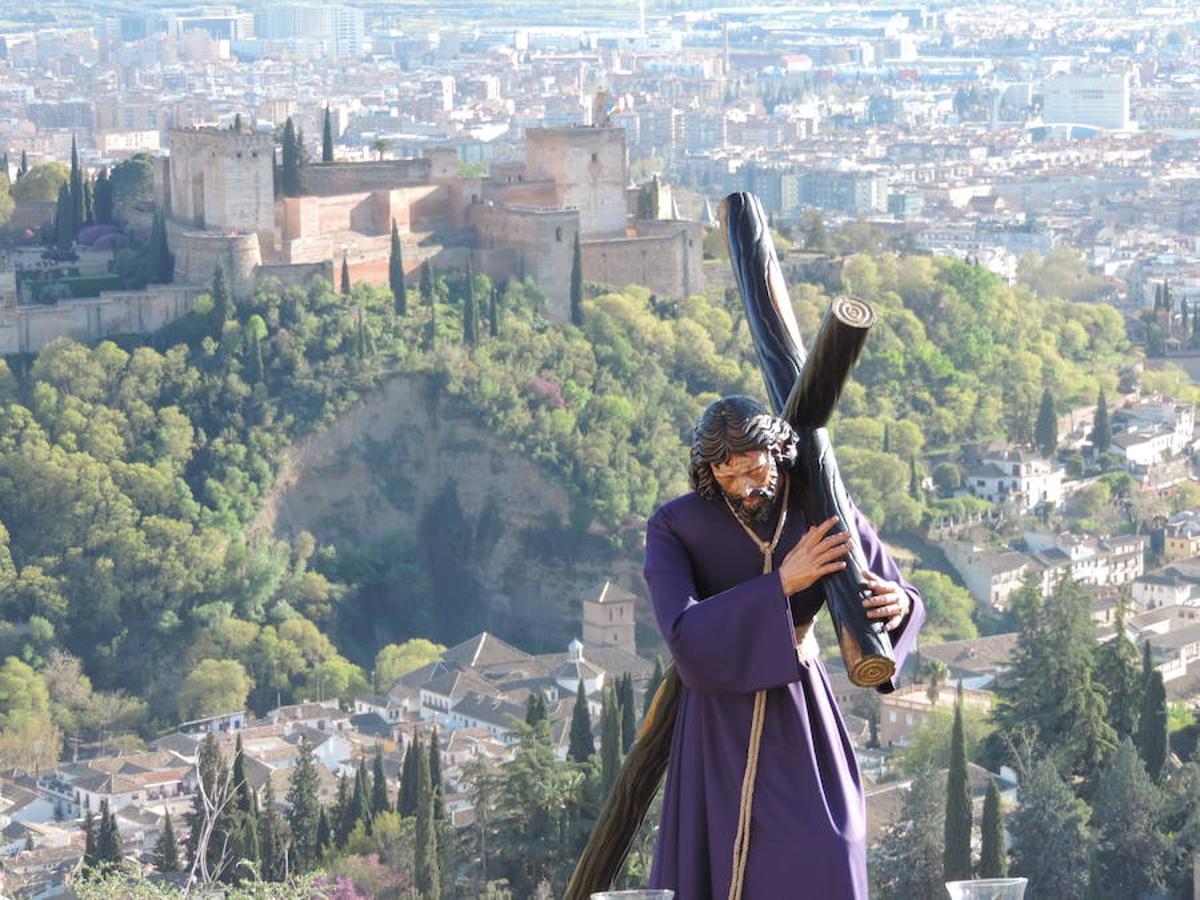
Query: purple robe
{"type": "Point", "coordinates": [730, 630]}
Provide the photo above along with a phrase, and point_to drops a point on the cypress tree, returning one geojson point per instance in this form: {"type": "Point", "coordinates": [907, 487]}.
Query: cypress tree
{"type": "Point", "coordinates": [581, 745]}
{"type": "Point", "coordinates": [290, 176]}
{"type": "Point", "coordinates": [425, 863]}
{"type": "Point", "coordinates": [324, 833]}
{"type": "Point", "coordinates": [360, 802]}
{"type": "Point", "coordinates": [1101, 429]}
{"type": "Point", "coordinates": [64, 235]}
{"type": "Point", "coordinates": [247, 830]}
{"type": "Point", "coordinates": [628, 714]}
{"type": "Point", "coordinates": [104, 199]}
{"type": "Point", "coordinates": [1046, 429]}
{"type": "Point", "coordinates": [470, 310]}
{"type": "Point", "coordinates": [270, 836]}
{"type": "Point", "coordinates": [956, 855]}
{"type": "Point", "coordinates": [327, 138]}
{"type": "Point", "coordinates": [535, 709]}
{"type": "Point", "coordinates": [23, 170]}
{"type": "Point", "coordinates": [4, 162]}
{"type": "Point", "coordinates": [435, 777]}
{"type": "Point", "coordinates": [76, 192]}
{"type": "Point", "coordinates": [426, 283]}
{"type": "Point", "coordinates": [89, 832]}
{"type": "Point", "coordinates": [610, 742]}
{"type": "Point", "coordinates": [396, 274]}
{"type": "Point", "coordinates": [887, 437]}
{"type": "Point", "coordinates": [303, 808]}
{"type": "Point", "coordinates": [240, 783]}
{"type": "Point", "coordinates": [915, 480]}
{"type": "Point", "coordinates": [577, 284]}
{"type": "Point", "coordinates": [1117, 672]}
{"type": "Point", "coordinates": [431, 329]}
{"type": "Point", "coordinates": [222, 303]}
{"type": "Point", "coordinates": [343, 824]}
{"type": "Point", "coordinates": [89, 202]}
{"type": "Point", "coordinates": [345, 275]}
{"type": "Point", "coordinates": [166, 851]}
{"type": "Point", "coordinates": [109, 850]}
{"type": "Point", "coordinates": [494, 311]}
{"type": "Point", "coordinates": [160, 263]}
{"type": "Point", "coordinates": [652, 685]}
{"type": "Point", "coordinates": [993, 863]}
{"type": "Point", "coordinates": [406, 803]}
{"type": "Point", "coordinates": [1152, 737]}
{"type": "Point", "coordinates": [379, 794]}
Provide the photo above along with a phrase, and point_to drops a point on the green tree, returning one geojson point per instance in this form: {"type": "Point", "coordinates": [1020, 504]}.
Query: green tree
{"type": "Point", "coordinates": [222, 303]}
{"type": "Point", "coordinates": [1101, 429]}
{"type": "Point", "coordinates": [812, 231]}
{"type": "Point", "coordinates": [1046, 430]}
{"type": "Point", "coordinates": [7, 204]}
{"type": "Point", "coordinates": [214, 687]}
{"type": "Point", "coordinates": [23, 168]}
{"type": "Point", "coordinates": [435, 776]}
{"type": "Point", "coordinates": [911, 850]}
{"type": "Point", "coordinates": [628, 713]}
{"type": "Point", "coordinates": [1118, 674]}
{"type": "Point", "coordinates": [358, 811]}
{"type": "Point", "coordinates": [160, 262]}
{"type": "Point", "coordinates": [343, 819]}
{"type": "Point", "coordinates": [958, 824]}
{"type": "Point", "coordinates": [110, 850]}
{"type": "Point", "coordinates": [104, 199]}
{"type": "Point", "coordinates": [241, 784]}
{"type": "Point", "coordinates": [610, 741]}
{"type": "Point", "coordinates": [41, 183]}
{"type": "Point", "coordinates": [494, 311]}
{"type": "Point", "coordinates": [470, 310]}
{"type": "Point", "coordinates": [272, 837]}
{"type": "Point", "coordinates": [345, 276]}
{"type": "Point", "coordinates": [324, 834]}
{"type": "Point", "coordinates": [395, 660]}
{"type": "Point", "coordinates": [75, 180]}
{"type": "Point", "coordinates": [303, 808]}
{"type": "Point", "coordinates": [406, 801]}
{"type": "Point", "coordinates": [90, 859]}
{"type": "Point", "coordinates": [1052, 842]}
{"type": "Point", "coordinates": [380, 802]}
{"type": "Point", "coordinates": [428, 877]}
{"type": "Point", "coordinates": [290, 161]}
{"type": "Point", "coordinates": [327, 138]}
{"type": "Point", "coordinates": [132, 182]}
{"type": "Point", "coordinates": [1152, 739]}
{"type": "Point", "coordinates": [577, 284]}
{"type": "Point", "coordinates": [396, 274]}
{"type": "Point", "coordinates": [535, 708]}
{"type": "Point", "coordinates": [993, 860]}
{"type": "Point", "coordinates": [581, 746]}
{"type": "Point", "coordinates": [426, 283]}
{"type": "Point", "coordinates": [1131, 842]}
{"type": "Point", "coordinates": [64, 229]}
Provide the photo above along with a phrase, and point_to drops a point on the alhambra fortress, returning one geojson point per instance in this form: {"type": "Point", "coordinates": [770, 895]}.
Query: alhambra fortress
{"type": "Point", "coordinates": [217, 188]}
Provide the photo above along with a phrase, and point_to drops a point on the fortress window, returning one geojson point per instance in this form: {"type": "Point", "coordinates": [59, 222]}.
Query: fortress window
{"type": "Point", "coordinates": [254, 154]}
{"type": "Point", "coordinates": [239, 154]}
{"type": "Point", "coordinates": [595, 157]}
{"type": "Point", "coordinates": [558, 235]}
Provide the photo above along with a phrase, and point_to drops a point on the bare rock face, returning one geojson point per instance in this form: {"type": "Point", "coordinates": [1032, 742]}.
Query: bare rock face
{"type": "Point", "coordinates": [388, 465]}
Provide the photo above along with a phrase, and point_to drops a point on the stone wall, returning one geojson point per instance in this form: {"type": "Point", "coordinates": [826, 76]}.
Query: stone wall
{"type": "Point", "coordinates": [331, 179]}
{"type": "Point", "coordinates": [542, 241]}
{"type": "Point", "coordinates": [221, 179]}
{"type": "Point", "coordinates": [590, 168]}
{"type": "Point", "coordinates": [29, 328]}
{"type": "Point", "coordinates": [669, 262]}
{"type": "Point", "coordinates": [198, 252]}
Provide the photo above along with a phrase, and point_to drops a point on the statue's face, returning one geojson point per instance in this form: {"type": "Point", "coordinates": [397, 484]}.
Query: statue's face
{"type": "Point", "coordinates": [749, 481]}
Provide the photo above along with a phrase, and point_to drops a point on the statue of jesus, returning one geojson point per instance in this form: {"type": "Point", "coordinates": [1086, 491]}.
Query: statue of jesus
{"type": "Point", "coordinates": [733, 571]}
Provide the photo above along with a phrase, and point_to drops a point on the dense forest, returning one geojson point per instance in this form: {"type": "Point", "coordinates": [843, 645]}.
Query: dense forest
{"type": "Point", "coordinates": [131, 596]}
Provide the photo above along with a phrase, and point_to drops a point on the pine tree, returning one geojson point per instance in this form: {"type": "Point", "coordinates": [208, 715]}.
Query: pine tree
{"type": "Point", "coordinates": [345, 275]}
{"type": "Point", "coordinates": [166, 851]}
{"type": "Point", "coordinates": [993, 862]}
{"type": "Point", "coordinates": [957, 854]}
{"type": "Point", "coordinates": [652, 686]}
{"type": "Point", "coordinates": [911, 848]}
{"type": "Point", "coordinates": [494, 311]}
{"type": "Point", "coordinates": [222, 303]}
{"type": "Point", "coordinates": [1128, 816]}
{"type": "Point", "coordinates": [577, 284]}
{"type": "Point", "coordinates": [290, 176]}
{"type": "Point", "coordinates": [303, 808]}
{"type": "Point", "coordinates": [379, 792]}
{"type": "Point", "coordinates": [581, 745]}
{"type": "Point", "coordinates": [1101, 429]}
{"type": "Point", "coordinates": [628, 713]}
{"type": "Point", "coordinates": [1152, 731]}
{"type": "Point", "coordinates": [426, 283]}
{"type": "Point", "coordinates": [324, 834]}
{"type": "Point", "coordinates": [327, 138]}
{"type": "Point", "coordinates": [406, 803]}
{"type": "Point", "coordinates": [76, 191]}
{"type": "Point", "coordinates": [425, 863]}
{"type": "Point", "coordinates": [90, 857]}
{"type": "Point", "coordinates": [535, 709]}
{"type": "Point", "coordinates": [396, 274]}
{"type": "Point", "coordinates": [1117, 673]}
{"type": "Point", "coordinates": [1051, 839]}
{"type": "Point", "coordinates": [271, 838]}
{"type": "Point", "coordinates": [1046, 429]}
{"type": "Point", "coordinates": [610, 742]}
{"type": "Point", "coordinates": [435, 777]}
{"type": "Point", "coordinates": [470, 310]}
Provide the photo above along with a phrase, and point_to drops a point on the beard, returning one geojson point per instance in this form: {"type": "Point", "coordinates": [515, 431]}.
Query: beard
{"type": "Point", "coordinates": [759, 511]}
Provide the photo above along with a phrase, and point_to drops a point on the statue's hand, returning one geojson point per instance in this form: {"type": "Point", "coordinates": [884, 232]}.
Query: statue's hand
{"type": "Point", "coordinates": [818, 553]}
{"type": "Point", "coordinates": [888, 601]}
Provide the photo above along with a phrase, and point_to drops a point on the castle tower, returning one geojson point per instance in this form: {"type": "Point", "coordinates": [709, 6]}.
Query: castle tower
{"type": "Point", "coordinates": [589, 168]}
{"type": "Point", "coordinates": [222, 180]}
{"type": "Point", "coordinates": [608, 617]}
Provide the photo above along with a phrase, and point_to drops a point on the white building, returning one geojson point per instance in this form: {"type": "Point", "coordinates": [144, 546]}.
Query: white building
{"type": "Point", "coordinates": [1100, 100]}
{"type": "Point", "coordinates": [1015, 476]}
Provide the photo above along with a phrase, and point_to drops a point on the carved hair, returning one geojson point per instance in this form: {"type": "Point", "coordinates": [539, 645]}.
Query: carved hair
{"type": "Point", "coordinates": [732, 425]}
